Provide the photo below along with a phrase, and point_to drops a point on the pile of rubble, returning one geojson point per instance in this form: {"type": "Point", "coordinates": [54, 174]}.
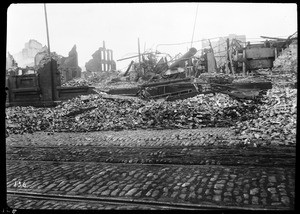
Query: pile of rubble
{"type": "Point", "coordinates": [77, 82]}
{"type": "Point", "coordinates": [46, 59]}
{"type": "Point", "coordinates": [285, 68]}
{"type": "Point", "coordinates": [287, 62]}
{"type": "Point", "coordinates": [116, 85]}
{"type": "Point", "coordinates": [96, 112]}
{"type": "Point", "coordinates": [276, 119]}
{"type": "Point", "coordinates": [277, 114]}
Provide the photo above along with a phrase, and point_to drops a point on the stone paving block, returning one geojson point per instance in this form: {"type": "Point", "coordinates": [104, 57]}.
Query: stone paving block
{"type": "Point", "coordinates": [174, 194]}
{"type": "Point", "coordinates": [254, 191]}
{"type": "Point", "coordinates": [149, 192]}
{"type": "Point", "coordinates": [50, 186]}
{"type": "Point", "coordinates": [192, 195]}
{"type": "Point", "coordinates": [218, 192]}
{"type": "Point", "coordinates": [285, 200]}
{"type": "Point", "coordinates": [155, 193]}
{"type": "Point", "coordinates": [105, 193]}
{"type": "Point", "coordinates": [127, 187]}
{"type": "Point", "coordinates": [138, 194]}
{"type": "Point", "coordinates": [78, 187]}
{"type": "Point", "coordinates": [272, 190]}
{"type": "Point", "coordinates": [238, 199]}
{"type": "Point", "coordinates": [272, 179]}
{"type": "Point", "coordinates": [182, 196]}
{"type": "Point", "coordinates": [185, 184]}
{"type": "Point", "coordinates": [219, 186]}
{"type": "Point", "coordinates": [254, 200]}
{"type": "Point", "coordinates": [131, 192]}
{"type": "Point", "coordinates": [217, 198]}
{"type": "Point", "coordinates": [274, 197]}
{"type": "Point", "coordinates": [93, 189]}
{"type": "Point", "coordinates": [184, 190]}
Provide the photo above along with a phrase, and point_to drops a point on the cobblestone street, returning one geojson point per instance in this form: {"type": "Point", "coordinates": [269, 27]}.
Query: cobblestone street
{"type": "Point", "coordinates": [219, 175]}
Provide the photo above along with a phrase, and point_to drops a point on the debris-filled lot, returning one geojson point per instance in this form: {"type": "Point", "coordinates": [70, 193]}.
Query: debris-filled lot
{"type": "Point", "coordinates": [274, 118]}
{"type": "Point", "coordinates": [271, 118]}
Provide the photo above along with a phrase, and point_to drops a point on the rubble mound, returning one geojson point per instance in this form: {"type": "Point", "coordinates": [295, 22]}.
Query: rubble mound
{"type": "Point", "coordinates": [287, 62]}
{"type": "Point", "coordinates": [45, 59]}
{"type": "Point", "coordinates": [77, 82]}
{"type": "Point", "coordinates": [284, 72]}
{"type": "Point", "coordinates": [276, 119]}
{"type": "Point", "coordinates": [95, 112]}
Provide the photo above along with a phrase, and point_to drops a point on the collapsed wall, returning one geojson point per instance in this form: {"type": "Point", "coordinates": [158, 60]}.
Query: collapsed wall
{"type": "Point", "coordinates": [10, 62]}
{"type": "Point", "coordinates": [67, 66]}
{"type": "Point", "coordinates": [27, 55]}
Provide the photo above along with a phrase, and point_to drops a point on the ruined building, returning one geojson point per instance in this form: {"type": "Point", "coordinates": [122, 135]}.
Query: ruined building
{"type": "Point", "coordinates": [10, 61]}
{"type": "Point", "coordinates": [68, 66]}
{"type": "Point", "coordinates": [40, 55]}
{"type": "Point", "coordinates": [26, 56]}
{"type": "Point", "coordinates": [102, 61]}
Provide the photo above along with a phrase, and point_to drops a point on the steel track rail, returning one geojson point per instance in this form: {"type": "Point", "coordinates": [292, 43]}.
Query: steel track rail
{"type": "Point", "coordinates": [152, 164]}
{"type": "Point", "coordinates": [137, 202]}
{"type": "Point", "coordinates": [126, 147]}
{"type": "Point", "coordinates": [209, 146]}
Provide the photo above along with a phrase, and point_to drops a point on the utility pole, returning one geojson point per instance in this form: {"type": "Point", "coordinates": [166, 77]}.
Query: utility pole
{"type": "Point", "coordinates": [229, 61]}
{"type": "Point", "coordinates": [51, 69]}
{"type": "Point", "coordinates": [139, 51]}
{"type": "Point", "coordinates": [47, 28]}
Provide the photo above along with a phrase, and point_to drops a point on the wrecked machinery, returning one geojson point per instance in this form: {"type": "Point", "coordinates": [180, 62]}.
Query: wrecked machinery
{"type": "Point", "coordinates": [189, 87]}
{"type": "Point", "coordinates": [251, 57]}
{"type": "Point", "coordinates": [182, 79]}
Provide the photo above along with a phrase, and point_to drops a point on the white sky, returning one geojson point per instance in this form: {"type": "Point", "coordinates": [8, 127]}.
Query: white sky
{"type": "Point", "coordinates": [121, 24]}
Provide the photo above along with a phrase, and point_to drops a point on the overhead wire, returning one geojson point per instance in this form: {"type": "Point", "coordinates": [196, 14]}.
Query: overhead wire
{"type": "Point", "coordinates": [201, 40]}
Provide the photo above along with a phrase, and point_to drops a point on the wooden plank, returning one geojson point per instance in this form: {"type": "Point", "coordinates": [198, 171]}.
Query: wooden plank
{"type": "Point", "coordinates": [230, 58]}
{"type": "Point", "coordinates": [244, 64]}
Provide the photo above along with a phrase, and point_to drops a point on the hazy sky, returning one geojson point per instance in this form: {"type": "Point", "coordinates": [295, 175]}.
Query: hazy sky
{"type": "Point", "coordinates": [121, 24]}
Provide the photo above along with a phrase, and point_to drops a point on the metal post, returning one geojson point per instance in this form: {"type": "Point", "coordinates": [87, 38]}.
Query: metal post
{"type": "Point", "coordinates": [228, 60]}
{"type": "Point", "coordinates": [51, 69]}
{"type": "Point", "coordinates": [244, 64]}
{"type": "Point", "coordinates": [139, 50]}
{"type": "Point", "coordinates": [47, 28]}
{"type": "Point", "coordinates": [142, 70]}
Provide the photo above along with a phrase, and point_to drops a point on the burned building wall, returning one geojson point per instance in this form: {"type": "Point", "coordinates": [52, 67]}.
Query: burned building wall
{"type": "Point", "coordinates": [27, 55]}
{"type": "Point", "coordinates": [102, 61]}
{"type": "Point", "coordinates": [10, 61]}
{"type": "Point", "coordinates": [67, 66]}
{"type": "Point", "coordinates": [40, 55]}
